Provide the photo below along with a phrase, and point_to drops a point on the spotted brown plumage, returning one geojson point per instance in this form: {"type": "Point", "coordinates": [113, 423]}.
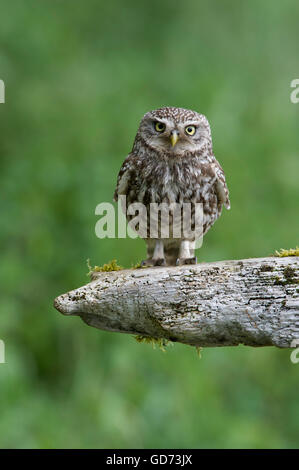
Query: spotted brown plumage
{"type": "Point", "coordinates": [167, 165]}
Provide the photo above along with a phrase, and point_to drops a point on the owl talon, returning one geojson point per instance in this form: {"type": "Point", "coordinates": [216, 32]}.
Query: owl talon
{"type": "Point", "coordinates": [159, 262]}
{"type": "Point", "coordinates": [183, 261]}
{"type": "Point", "coordinates": [153, 262]}
{"type": "Point", "coordinates": [146, 263]}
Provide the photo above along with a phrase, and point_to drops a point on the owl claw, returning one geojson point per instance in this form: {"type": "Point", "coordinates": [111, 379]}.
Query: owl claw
{"type": "Point", "coordinates": [183, 261]}
{"type": "Point", "coordinates": [153, 262]}
{"type": "Point", "coordinates": [146, 263]}
{"type": "Point", "coordinates": [160, 262]}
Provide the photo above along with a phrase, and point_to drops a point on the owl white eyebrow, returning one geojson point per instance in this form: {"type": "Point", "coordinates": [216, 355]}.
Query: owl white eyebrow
{"type": "Point", "coordinates": [191, 123]}
{"type": "Point", "coordinates": [163, 121]}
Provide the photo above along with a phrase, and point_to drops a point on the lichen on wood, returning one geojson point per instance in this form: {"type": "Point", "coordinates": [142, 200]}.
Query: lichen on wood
{"type": "Point", "coordinates": [254, 302]}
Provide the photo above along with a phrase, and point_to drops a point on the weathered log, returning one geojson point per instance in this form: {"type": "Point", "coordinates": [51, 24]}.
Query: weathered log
{"type": "Point", "coordinates": [254, 302]}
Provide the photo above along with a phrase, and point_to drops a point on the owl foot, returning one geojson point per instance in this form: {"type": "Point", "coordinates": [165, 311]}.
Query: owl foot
{"type": "Point", "coordinates": [153, 262]}
{"type": "Point", "coordinates": [182, 261]}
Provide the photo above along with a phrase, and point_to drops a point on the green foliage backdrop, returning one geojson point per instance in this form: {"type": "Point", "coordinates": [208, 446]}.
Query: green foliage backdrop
{"type": "Point", "coordinates": [79, 76]}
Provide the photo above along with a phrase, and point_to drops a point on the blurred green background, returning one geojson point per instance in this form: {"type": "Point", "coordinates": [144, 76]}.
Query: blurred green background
{"type": "Point", "coordinates": [79, 76]}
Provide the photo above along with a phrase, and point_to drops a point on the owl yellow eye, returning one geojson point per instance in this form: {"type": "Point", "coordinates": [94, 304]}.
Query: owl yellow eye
{"type": "Point", "coordinates": [190, 130]}
{"type": "Point", "coordinates": [160, 126]}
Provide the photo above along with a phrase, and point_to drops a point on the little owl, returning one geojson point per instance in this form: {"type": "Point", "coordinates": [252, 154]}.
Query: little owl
{"type": "Point", "coordinates": [172, 161]}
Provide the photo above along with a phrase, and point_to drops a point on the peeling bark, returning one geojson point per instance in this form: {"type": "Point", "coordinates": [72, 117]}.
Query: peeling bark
{"type": "Point", "coordinates": [254, 302]}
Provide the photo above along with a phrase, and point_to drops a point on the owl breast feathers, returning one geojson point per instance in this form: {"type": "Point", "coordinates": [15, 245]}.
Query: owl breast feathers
{"type": "Point", "coordinates": [172, 161]}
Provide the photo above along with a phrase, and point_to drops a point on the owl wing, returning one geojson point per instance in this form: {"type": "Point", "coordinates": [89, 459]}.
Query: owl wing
{"type": "Point", "coordinates": [220, 185]}
{"type": "Point", "coordinates": [125, 177]}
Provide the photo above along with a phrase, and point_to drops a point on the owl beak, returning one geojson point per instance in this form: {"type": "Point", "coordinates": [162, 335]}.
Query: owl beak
{"type": "Point", "coordinates": [174, 137]}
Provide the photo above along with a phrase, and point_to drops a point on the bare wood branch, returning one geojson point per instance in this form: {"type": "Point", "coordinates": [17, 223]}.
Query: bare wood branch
{"type": "Point", "coordinates": [254, 302]}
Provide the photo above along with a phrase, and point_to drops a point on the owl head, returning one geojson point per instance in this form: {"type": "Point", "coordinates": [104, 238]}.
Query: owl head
{"type": "Point", "coordinates": [175, 131]}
